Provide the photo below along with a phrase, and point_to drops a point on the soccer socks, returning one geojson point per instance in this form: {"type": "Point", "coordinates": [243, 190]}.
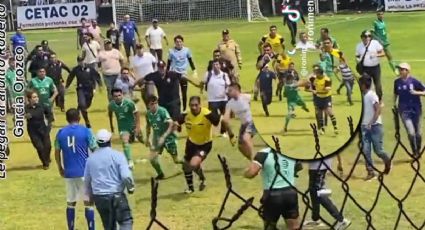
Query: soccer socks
{"type": "Point", "coordinates": [200, 173]}
{"type": "Point", "coordinates": [413, 144]}
{"type": "Point", "coordinates": [188, 175]}
{"type": "Point", "coordinates": [419, 143]}
{"type": "Point", "coordinates": [85, 115]}
{"type": "Point", "coordinates": [155, 164]}
{"type": "Point", "coordinates": [127, 151]}
{"type": "Point", "coordinates": [89, 212]}
{"type": "Point", "coordinates": [70, 217]}
{"type": "Point", "coordinates": [287, 119]}
{"type": "Point", "coordinates": [333, 120]}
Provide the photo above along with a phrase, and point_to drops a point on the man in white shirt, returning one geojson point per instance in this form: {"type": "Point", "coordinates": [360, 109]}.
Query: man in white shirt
{"type": "Point", "coordinates": [239, 104]}
{"type": "Point", "coordinates": [216, 83]}
{"type": "Point", "coordinates": [368, 52]}
{"type": "Point", "coordinates": [90, 51]}
{"type": "Point", "coordinates": [110, 61]}
{"type": "Point", "coordinates": [304, 43]}
{"type": "Point", "coordinates": [371, 127]}
{"type": "Point", "coordinates": [154, 36]}
{"type": "Point", "coordinates": [142, 64]}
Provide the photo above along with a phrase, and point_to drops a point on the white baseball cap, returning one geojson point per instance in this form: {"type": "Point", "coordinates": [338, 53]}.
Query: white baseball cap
{"type": "Point", "coordinates": [403, 65]}
{"type": "Point", "coordinates": [103, 136]}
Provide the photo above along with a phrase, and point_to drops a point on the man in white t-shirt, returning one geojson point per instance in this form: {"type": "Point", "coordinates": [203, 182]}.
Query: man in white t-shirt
{"type": "Point", "coordinates": [371, 127]}
{"type": "Point", "coordinates": [110, 60]}
{"type": "Point", "coordinates": [154, 36]}
{"type": "Point", "coordinates": [90, 51]}
{"type": "Point", "coordinates": [304, 43]}
{"type": "Point", "coordinates": [372, 50]}
{"type": "Point", "coordinates": [216, 83]}
{"type": "Point", "coordinates": [239, 104]}
{"type": "Point", "coordinates": [142, 64]}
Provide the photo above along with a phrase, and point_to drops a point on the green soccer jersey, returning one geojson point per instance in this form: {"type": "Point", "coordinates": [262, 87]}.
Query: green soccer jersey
{"type": "Point", "coordinates": [125, 114]}
{"type": "Point", "coordinates": [291, 92]}
{"type": "Point", "coordinates": [159, 122]}
{"type": "Point", "coordinates": [327, 64]}
{"type": "Point", "coordinates": [45, 88]}
{"type": "Point", "coordinates": [265, 157]}
{"type": "Point", "coordinates": [380, 31]}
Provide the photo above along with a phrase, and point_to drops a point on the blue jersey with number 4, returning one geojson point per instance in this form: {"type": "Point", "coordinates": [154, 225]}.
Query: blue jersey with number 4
{"type": "Point", "coordinates": [74, 141]}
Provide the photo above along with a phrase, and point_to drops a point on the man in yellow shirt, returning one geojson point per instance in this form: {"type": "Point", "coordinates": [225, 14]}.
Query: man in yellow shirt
{"type": "Point", "coordinates": [229, 50]}
{"type": "Point", "coordinates": [274, 39]}
{"type": "Point", "coordinates": [199, 122]}
{"type": "Point", "coordinates": [281, 67]}
{"type": "Point", "coordinates": [320, 86]}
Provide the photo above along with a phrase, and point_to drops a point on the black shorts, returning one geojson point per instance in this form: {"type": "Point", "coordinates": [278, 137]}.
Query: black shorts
{"type": "Point", "coordinates": [323, 102]}
{"type": "Point", "coordinates": [266, 97]}
{"type": "Point", "coordinates": [196, 150]}
{"type": "Point", "coordinates": [280, 202]}
{"type": "Point", "coordinates": [173, 108]}
{"type": "Point", "coordinates": [84, 98]}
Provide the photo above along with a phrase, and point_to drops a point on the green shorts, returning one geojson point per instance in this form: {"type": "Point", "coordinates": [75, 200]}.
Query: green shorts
{"type": "Point", "coordinates": [132, 135]}
{"type": "Point", "coordinates": [296, 102]}
{"type": "Point", "coordinates": [170, 145]}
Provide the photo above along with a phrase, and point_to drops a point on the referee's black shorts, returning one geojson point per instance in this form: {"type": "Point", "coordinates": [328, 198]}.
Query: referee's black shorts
{"type": "Point", "coordinates": [280, 202]}
{"type": "Point", "coordinates": [323, 102]}
{"type": "Point", "coordinates": [196, 150]}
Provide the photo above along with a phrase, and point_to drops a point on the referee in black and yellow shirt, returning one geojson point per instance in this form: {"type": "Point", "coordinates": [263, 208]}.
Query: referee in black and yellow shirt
{"type": "Point", "coordinates": [199, 122]}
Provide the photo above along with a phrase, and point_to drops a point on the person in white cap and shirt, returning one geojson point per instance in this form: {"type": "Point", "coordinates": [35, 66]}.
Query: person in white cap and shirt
{"type": "Point", "coordinates": [153, 36]}
{"type": "Point", "coordinates": [106, 176]}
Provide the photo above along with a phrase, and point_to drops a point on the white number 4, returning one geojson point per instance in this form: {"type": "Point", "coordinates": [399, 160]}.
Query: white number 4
{"type": "Point", "coordinates": [71, 142]}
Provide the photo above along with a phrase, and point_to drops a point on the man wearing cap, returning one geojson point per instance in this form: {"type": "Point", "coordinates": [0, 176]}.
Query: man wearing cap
{"type": "Point", "coordinates": [90, 51]}
{"type": "Point", "coordinates": [128, 28]}
{"type": "Point", "coordinates": [110, 60]}
{"type": "Point", "coordinates": [407, 91]}
{"type": "Point", "coordinates": [368, 52]}
{"type": "Point", "coordinates": [113, 34]}
{"type": "Point", "coordinates": [153, 36]}
{"type": "Point", "coordinates": [106, 176]}
{"type": "Point", "coordinates": [87, 77]}
{"type": "Point", "coordinates": [230, 50]}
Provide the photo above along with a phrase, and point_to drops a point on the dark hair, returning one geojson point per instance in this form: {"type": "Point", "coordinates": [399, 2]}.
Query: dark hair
{"type": "Point", "coordinates": [178, 37]}
{"type": "Point", "coordinates": [29, 93]}
{"type": "Point", "coordinates": [216, 51]}
{"type": "Point", "coordinates": [40, 68]}
{"type": "Point", "coordinates": [11, 59]}
{"type": "Point", "coordinates": [112, 22]}
{"type": "Point", "coordinates": [267, 45]}
{"type": "Point", "coordinates": [235, 85]}
{"type": "Point", "coordinates": [328, 39]}
{"type": "Point", "coordinates": [366, 81]}
{"type": "Point", "coordinates": [38, 47]}
{"type": "Point", "coordinates": [83, 19]}
{"type": "Point", "coordinates": [90, 35]}
{"type": "Point", "coordinates": [195, 98]}
{"type": "Point", "coordinates": [125, 68]}
{"type": "Point", "coordinates": [324, 29]}
{"type": "Point", "coordinates": [72, 115]}
{"type": "Point", "coordinates": [116, 90]}
{"type": "Point", "coordinates": [152, 98]}
{"type": "Point", "coordinates": [318, 68]}
{"type": "Point", "coordinates": [272, 26]}
{"type": "Point", "coordinates": [53, 53]}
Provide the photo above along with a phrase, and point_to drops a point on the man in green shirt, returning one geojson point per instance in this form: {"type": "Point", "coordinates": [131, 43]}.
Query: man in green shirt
{"type": "Point", "coordinates": [280, 197]}
{"type": "Point", "coordinates": [162, 125]}
{"type": "Point", "coordinates": [324, 34]}
{"type": "Point", "coordinates": [128, 120]}
{"type": "Point", "coordinates": [292, 99]}
{"type": "Point", "coordinates": [380, 34]}
{"type": "Point", "coordinates": [10, 81]}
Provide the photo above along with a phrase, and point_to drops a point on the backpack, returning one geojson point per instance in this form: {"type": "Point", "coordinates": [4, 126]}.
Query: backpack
{"type": "Point", "coordinates": [209, 77]}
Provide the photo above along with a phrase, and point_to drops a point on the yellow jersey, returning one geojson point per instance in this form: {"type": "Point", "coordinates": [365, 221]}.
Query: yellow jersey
{"type": "Point", "coordinates": [199, 127]}
{"type": "Point", "coordinates": [283, 63]}
{"type": "Point", "coordinates": [275, 42]}
{"type": "Point", "coordinates": [320, 85]}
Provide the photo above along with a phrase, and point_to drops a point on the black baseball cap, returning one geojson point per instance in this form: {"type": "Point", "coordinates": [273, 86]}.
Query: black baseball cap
{"type": "Point", "coordinates": [225, 31]}
{"type": "Point", "coordinates": [44, 43]}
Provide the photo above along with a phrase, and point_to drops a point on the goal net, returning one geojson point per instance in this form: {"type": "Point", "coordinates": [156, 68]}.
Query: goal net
{"type": "Point", "coordinates": [187, 10]}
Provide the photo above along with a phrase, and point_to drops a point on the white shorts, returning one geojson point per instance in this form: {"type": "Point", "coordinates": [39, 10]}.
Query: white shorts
{"type": "Point", "coordinates": [75, 189]}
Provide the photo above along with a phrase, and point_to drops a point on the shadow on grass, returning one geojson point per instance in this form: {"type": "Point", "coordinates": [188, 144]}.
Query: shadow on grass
{"type": "Point", "coordinates": [25, 168]}
{"type": "Point", "coordinates": [98, 111]}
{"type": "Point", "coordinates": [251, 227]}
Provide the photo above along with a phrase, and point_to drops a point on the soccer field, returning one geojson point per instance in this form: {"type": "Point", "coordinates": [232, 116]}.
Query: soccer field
{"type": "Point", "coordinates": [34, 199]}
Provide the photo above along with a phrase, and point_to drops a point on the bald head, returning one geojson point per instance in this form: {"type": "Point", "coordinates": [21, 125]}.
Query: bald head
{"type": "Point", "coordinates": [127, 17]}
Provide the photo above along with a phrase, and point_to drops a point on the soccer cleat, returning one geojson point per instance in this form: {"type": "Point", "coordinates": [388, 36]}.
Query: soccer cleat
{"type": "Point", "coordinates": [388, 166]}
{"type": "Point", "coordinates": [336, 131]}
{"type": "Point", "coordinates": [370, 176]}
{"type": "Point", "coordinates": [202, 185]}
{"type": "Point", "coordinates": [189, 191]}
{"type": "Point", "coordinates": [342, 225]}
{"type": "Point", "coordinates": [322, 131]}
{"type": "Point", "coordinates": [160, 177]}
{"type": "Point", "coordinates": [224, 135]}
{"type": "Point", "coordinates": [324, 192]}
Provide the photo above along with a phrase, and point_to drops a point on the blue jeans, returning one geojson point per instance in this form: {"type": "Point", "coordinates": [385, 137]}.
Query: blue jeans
{"type": "Point", "coordinates": [412, 120]}
{"type": "Point", "coordinates": [373, 137]}
{"type": "Point", "coordinates": [109, 84]}
{"type": "Point", "coordinates": [114, 209]}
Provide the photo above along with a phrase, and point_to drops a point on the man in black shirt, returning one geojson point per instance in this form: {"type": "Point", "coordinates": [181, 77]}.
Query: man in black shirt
{"type": "Point", "coordinates": [54, 71]}
{"type": "Point", "coordinates": [114, 35]}
{"type": "Point", "coordinates": [265, 81]}
{"type": "Point", "coordinates": [39, 60]}
{"type": "Point", "coordinates": [265, 58]}
{"type": "Point", "coordinates": [87, 77]}
{"type": "Point", "coordinates": [168, 87]}
{"type": "Point", "coordinates": [46, 50]}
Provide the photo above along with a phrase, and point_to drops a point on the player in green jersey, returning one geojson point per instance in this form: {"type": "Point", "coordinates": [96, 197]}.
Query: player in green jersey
{"type": "Point", "coordinates": [162, 125]}
{"type": "Point", "coordinates": [292, 99]}
{"type": "Point", "coordinates": [128, 119]}
{"type": "Point", "coordinates": [10, 81]}
{"type": "Point", "coordinates": [379, 33]}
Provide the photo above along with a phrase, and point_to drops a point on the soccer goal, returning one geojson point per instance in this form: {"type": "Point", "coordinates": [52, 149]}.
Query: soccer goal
{"type": "Point", "coordinates": [187, 10]}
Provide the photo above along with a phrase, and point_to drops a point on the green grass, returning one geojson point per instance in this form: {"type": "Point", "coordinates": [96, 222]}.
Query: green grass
{"type": "Point", "coordinates": [35, 199]}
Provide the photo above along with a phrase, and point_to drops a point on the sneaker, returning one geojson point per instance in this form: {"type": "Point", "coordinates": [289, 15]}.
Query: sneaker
{"type": "Point", "coordinates": [267, 114]}
{"type": "Point", "coordinates": [189, 191]}
{"type": "Point", "coordinates": [311, 224]}
{"type": "Point", "coordinates": [202, 185]}
{"type": "Point", "coordinates": [131, 164]}
{"type": "Point", "coordinates": [324, 192]}
{"type": "Point", "coordinates": [336, 131]}
{"type": "Point", "coordinates": [160, 177]}
{"type": "Point", "coordinates": [224, 135]}
{"type": "Point", "coordinates": [370, 176]}
{"type": "Point", "coordinates": [322, 131]}
{"type": "Point", "coordinates": [342, 225]}
{"type": "Point", "coordinates": [388, 166]}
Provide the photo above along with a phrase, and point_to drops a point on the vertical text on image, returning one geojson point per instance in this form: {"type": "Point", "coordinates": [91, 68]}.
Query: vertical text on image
{"type": "Point", "coordinates": [3, 112]}
{"type": "Point", "coordinates": [310, 33]}
{"type": "Point", "coordinates": [19, 89]}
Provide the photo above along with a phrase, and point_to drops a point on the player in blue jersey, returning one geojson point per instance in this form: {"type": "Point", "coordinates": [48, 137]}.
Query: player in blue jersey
{"type": "Point", "coordinates": [128, 28]}
{"type": "Point", "coordinates": [179, 59]}
{"type": "Point", "coordinates": [74, 142]}
{"type": "Point", "coordinates": [18, 40]}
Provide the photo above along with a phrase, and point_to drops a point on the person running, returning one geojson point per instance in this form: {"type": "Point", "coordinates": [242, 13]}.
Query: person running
{"type": "Point", "coordinates": [292, 25]}
{"type": "Point", "coordinates": [179, 59]}
{"type": "Point", "coordinates": [372, 129]}
{"type": "Point", "coordinates": [54, 70]}
{"type": "Point", "coordinates": [327, 57]}
{"type": "Point", "coordinates": [129, 28]}
{"type": "Point", "coordinates": [199, 122]}
{"type": "Point", "coordinates": [72, 146]}
{"type": "Point", "coordinates": [407, 91]}
{"type": "Point", "coordinates": [113, 34]}
{"type": "Point", "coordinates": [153, 36]}
{"type": "Point", "coordinates": [324, 34]}
{"type": "Point", "coordinates": [11, 79]}
{"type": "Point", "coordinates": [347, 79]}
{"type": "Point", "coordinates": [262, 60]}
{"type": "Point", "coordinates": [280, 198]}
{"type": "Point", "coordinates": [90, 50]}
{"type": "Point", "coordinates": [126, 83]}
{"type": "Point", "coordinates": [96, 31]}
{"type": "Point", "coordinates": [37, 61]}
{"type": "Point", "coordinates": [319, 196]}
{"type": "Point", "coordinates": [265, 81]}
{"type": "Point", "coordinates": [87, 78]}
{"type": "Point", "coordinates": [81, 32]}
{"type": "Point", "coordinates": [239, 104]}
{"type": "Point", "coordinates": [292, 99]}
{"type": "Point", "coordinates": [379, 33]}
{"type": "Point", "coordinates": [275, 40]}
{"type": "Point", "coordinates": [128, 120]}
{"type": "Point", "coordinates": [36, 114]}
{"type": "Point", "coordinates": [281, 67]}
{"type": "Point", "coordinates": [158, 119]}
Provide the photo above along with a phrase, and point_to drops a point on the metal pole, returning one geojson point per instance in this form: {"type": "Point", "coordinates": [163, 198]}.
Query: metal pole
{"type": "Point", "coordinates": [274, 7]}
{"type": "Point", "coordinates": [188, 4]}
{"type": "Point", "coordinates": [240, 8]}
{"type": "Point", "coordinates": [335, 8]}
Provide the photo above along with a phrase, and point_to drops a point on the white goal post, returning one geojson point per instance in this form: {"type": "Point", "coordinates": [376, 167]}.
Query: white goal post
{"type": "Point", "coordinates": [186, 10]}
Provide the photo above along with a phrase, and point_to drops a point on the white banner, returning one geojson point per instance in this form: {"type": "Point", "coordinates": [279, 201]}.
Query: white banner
{"type": "Point", "coordinates": [55, 15]}
{"type": "Point", "coordinates": [404, 5]}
